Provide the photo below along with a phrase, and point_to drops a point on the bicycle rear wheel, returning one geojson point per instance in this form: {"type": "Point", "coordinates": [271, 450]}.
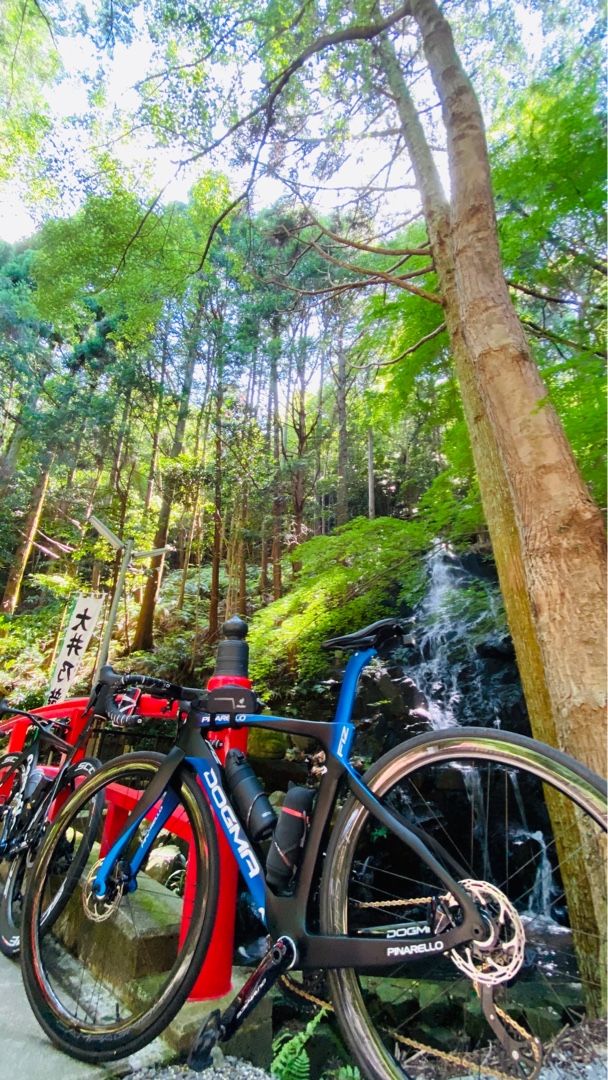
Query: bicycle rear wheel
{"type": "Point", "coordinates": [109, 975]}
{"type": "Point", "coordinates": [525, 826]}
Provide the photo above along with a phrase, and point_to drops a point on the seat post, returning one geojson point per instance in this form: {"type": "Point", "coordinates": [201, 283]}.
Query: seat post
{"type": "Point", "coordinates": [348, 690]}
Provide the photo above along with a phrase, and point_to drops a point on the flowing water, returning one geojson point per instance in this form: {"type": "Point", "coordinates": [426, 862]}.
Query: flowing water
{"type": "Point", "coordinates": [463, 661]}
{"type": "Point", "coordinates": [463, 664]}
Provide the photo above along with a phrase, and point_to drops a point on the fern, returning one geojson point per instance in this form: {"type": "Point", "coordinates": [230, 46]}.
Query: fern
{"type": "Point", "coordinates": [291, 1059]}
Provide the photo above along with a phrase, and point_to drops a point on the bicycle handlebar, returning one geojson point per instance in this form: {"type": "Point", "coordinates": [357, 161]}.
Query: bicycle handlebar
{"type": "Point", "coordinates": [44, 724]}
{"type": "Point", "coordinates": [112, 683]}
{"type": "Point", "coordinates": [155, 687]}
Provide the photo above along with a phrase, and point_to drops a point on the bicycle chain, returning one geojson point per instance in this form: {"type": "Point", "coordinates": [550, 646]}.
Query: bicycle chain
{"type": "Point", "coordinates": [454, 1059]}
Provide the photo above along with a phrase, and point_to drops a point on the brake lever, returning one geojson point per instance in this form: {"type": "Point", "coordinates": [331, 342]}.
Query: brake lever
{"type": "Point", "coordinates": [121, 723]}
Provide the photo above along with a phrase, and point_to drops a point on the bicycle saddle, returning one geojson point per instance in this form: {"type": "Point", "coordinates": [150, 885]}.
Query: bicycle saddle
{"type": "Point", "coordinates": [371, 636]}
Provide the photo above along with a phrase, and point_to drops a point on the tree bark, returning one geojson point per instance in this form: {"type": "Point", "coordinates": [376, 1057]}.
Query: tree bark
{"type": "Point", "coordinates": [157, 426]}
{"type": "Point", "coordinates": [12, 590]}
{"type": "Point", "coordinates": [242, 558]}
{"type": "Point", "coordinates": [199, 494]}
{"type": "Point", "coordinates": [342, 486]}
{"type": "Point", "coordinates": [559, 529]}
{"type": "Point", "coordinates": [216, 557]}
{"type": "Point", "coordinates": [277, 496]}
{"type": "Point", "coordinates": [117, 460]}
{"type": "Point", "coordinates": [143, 638]}
{"type": "Point", "coordinates": [542, 549]}
{"type": "Point", "coordinates": [371, 501]}
{"type": "Point", "coordinates": [263, 581]}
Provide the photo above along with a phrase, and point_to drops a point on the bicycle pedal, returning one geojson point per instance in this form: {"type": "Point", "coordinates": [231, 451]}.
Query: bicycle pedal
{"type": "Point", "coordinates": [200, 1057]}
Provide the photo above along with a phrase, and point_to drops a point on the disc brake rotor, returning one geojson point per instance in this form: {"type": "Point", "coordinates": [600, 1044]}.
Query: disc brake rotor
{"type": "Point", "coordinates": [100, 908]}
{"type": "Point", "coordinates": [499, 956]}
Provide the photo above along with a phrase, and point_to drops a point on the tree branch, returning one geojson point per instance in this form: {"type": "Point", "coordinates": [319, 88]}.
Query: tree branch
{"type": "Point", "coordinates": [549, 299]}
{"type": "Point", "coordinates": [539, 331]}
{"type": "Point", "coordinates": [399, 280]}
{"type": "Point", "coordinates": [414, 348]}
{"type": "Point", "coordinates": [275, 86]}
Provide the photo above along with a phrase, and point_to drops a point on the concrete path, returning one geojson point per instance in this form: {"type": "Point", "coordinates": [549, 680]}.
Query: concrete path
{"type": "Point", "coordinates": [27, 1054]}
{"type": "Point", "coordinates": [25, 1051]}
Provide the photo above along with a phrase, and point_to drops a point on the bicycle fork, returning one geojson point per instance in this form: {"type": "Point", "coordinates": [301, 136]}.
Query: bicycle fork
{"type": "Point", "coordinates": [219, 1027]}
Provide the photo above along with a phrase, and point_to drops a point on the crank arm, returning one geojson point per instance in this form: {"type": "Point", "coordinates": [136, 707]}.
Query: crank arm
{"type": "Point", "coordinates": [526, 1053]}
{"type": "Point", "coordinates": [219, 1028]}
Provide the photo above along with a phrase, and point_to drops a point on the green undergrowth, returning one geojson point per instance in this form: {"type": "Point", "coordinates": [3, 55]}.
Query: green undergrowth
{"type": "Point", "coordinates": [362, 572]}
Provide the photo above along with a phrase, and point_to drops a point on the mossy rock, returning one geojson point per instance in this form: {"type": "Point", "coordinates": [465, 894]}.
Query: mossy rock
{"type": "Point", "coordinates": [266, 744]}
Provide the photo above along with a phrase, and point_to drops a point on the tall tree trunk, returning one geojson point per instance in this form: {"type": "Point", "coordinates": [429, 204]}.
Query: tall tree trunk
{"type": "Point", "coordinates": [318, 499]}
{"type": "Point", "coordinates": [143, 638]}
{"type": "Point", "coordinates": [242, 558]}
{"type": "Point", "coordinates": [299, 470]}
{"type": "Point", "coordinates": [216, 557]}
{"type": "Point", "coordinates": [560, 530]}
{"type": "Point", "coordinates": [117, 460]}
{"type": "Point", "coordinates": [277, 497]}
{"type": "Point", "coordinates": [342, 487]}
{"type": "Point", "coordinates": [231, 527]}
{"type": "Point", "coordinates": [199, 494]}
{"type": "Point", "coordinates": [545, 531]}
{"type": "Point", "coordinates": [263, 582]}
{"type": "Point", "coordinates": [157, 426]}
{"type": "Point", "coordinates": [19, 563]}
{"type": "Point", "coordinates": [371, 501]}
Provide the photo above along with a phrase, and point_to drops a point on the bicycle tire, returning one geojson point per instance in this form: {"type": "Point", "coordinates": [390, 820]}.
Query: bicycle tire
{"type": "Point", "coordinates": [13, 890]}
{"type": "Point", "coordinates": [12, 781]}
{"type": "Point", "coordinates": [423, 1019]}
{"type": "Point", "coordinates": [78, 966]}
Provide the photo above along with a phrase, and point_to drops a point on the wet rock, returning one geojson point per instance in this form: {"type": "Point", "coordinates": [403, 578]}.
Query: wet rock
{"type": "Point", "coordinates": [164, 861]}
{"type": "Point", "coordinates": [500, 648]}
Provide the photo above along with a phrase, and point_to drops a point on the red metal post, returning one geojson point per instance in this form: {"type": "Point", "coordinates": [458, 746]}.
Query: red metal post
{"type": "Point", "coordinates": [215, 976]}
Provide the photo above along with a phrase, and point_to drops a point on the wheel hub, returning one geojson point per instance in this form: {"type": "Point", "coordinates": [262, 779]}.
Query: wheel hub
{"type": "Point", "coordinates": [100, 908]}
{"type": "Point", "coordinates": [497, 957]}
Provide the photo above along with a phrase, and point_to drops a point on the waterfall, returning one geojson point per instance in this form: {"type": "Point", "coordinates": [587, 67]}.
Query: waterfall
{"type": "Point", "coordinates": [519, 802]}
{"type": "Point", "coordinates": [462, 661]}
{"type": "Point", "coordinates": [434, 676]}
{"type": "Point", "coordinates": [472, 783]}
{"type": "Point", "coordinates": [543, 890]}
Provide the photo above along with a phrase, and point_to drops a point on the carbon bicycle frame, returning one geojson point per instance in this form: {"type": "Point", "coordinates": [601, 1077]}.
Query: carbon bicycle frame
{"type": "Point", "coordinates": [17, 839]}
{"type": "Point", "coordinates": [286, 916]}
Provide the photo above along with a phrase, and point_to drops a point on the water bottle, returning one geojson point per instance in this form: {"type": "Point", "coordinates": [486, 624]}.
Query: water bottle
{"type": "Point", "coordinates": [288, 840]}
{"type": "Point", "coordinates": [250, 799]}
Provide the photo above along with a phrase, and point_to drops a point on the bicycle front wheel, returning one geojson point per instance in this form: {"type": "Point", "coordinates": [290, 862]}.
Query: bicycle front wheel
{"type": "Point", "coordinates": [108, 975]}
{"type": "Point", "coordinates": [74, 858]}
{"type": "Point", "coordinates": [523, 827]}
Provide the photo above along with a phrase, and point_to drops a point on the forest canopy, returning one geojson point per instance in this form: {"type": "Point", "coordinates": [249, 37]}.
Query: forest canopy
{"type": "Point", "coordinates": [251, 361]}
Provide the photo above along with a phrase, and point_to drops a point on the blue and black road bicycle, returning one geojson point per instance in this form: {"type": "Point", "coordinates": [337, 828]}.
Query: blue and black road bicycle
{"type": "Point", "coordinates": [454, 894]}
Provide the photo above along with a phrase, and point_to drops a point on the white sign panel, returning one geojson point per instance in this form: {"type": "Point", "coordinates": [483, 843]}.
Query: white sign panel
{"type": "Point", "coordinates": [82, 622]}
